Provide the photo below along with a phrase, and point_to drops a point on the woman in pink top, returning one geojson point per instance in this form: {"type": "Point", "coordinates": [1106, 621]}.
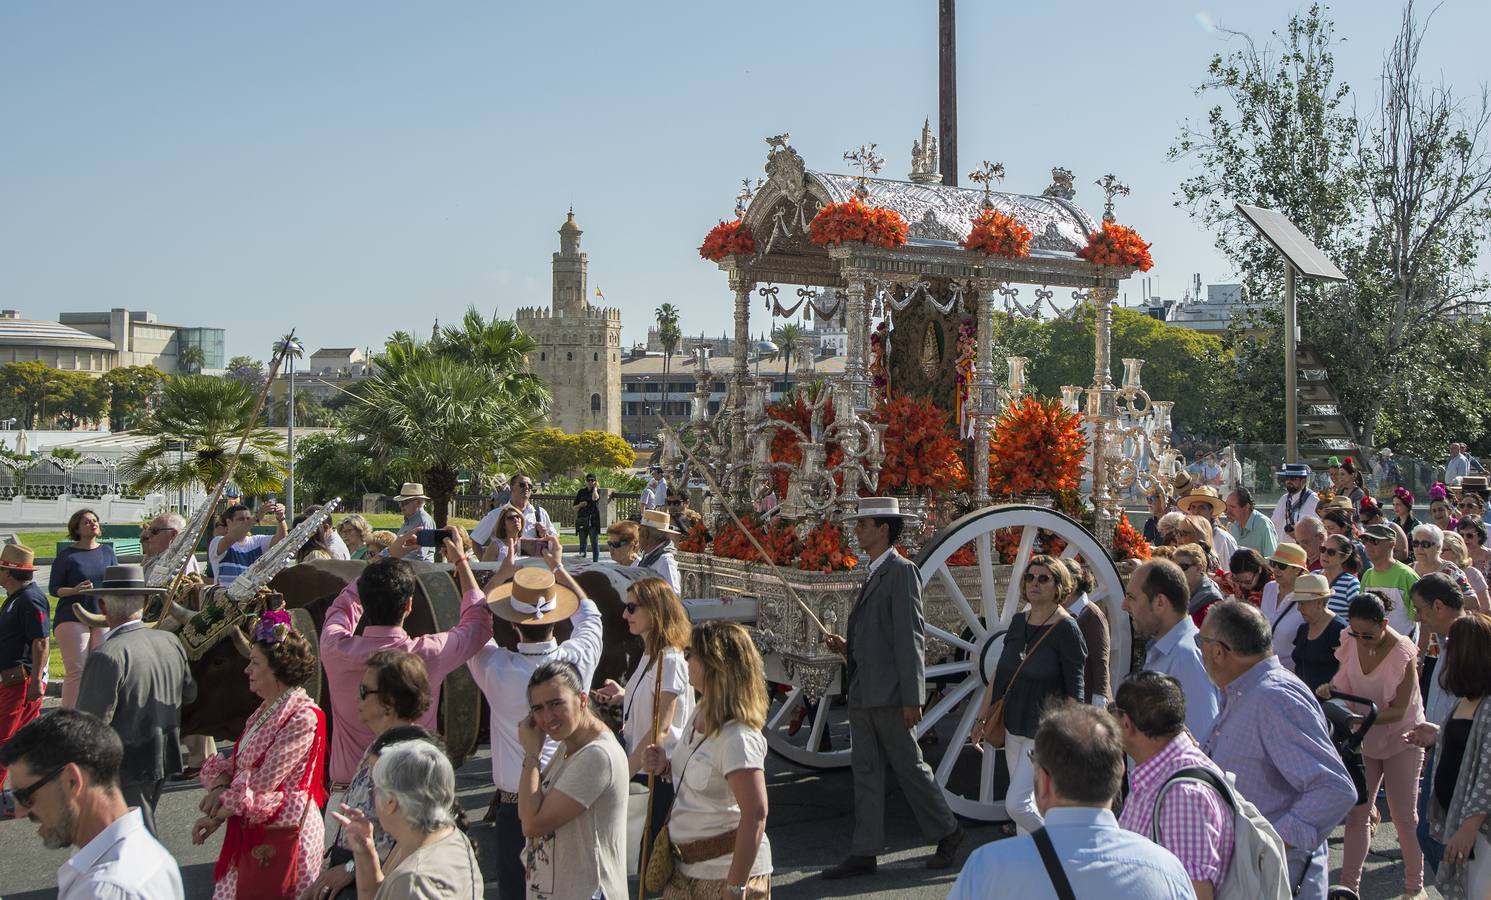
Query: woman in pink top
{"type": "Point", "coordinates": [1380, 664]}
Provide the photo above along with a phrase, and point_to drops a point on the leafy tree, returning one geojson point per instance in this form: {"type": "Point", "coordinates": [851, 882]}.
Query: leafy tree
{"type": "Point", "coordinates": [130, 390]}
{"type": "Point", "coordinates": [27, 383]}
{"type": "Point", "coordinates": [603, 450]}
{"type": "Point", "coordinates": [669, 335]}
{"type": "Point", "coordinates": [209, 416]}
{"type": "Point", "coordinates": [431, 418]}
{"type": "Point", "coordinates": [555, 452]}
{"type": "Point", "coordinates": [330, 465]}
{"type": "Point", "coordinates": [77, 398]}
{"type": "Point", "coordinates": [615, 480]}
{"type": "Point", "coordinates": [248, 370]}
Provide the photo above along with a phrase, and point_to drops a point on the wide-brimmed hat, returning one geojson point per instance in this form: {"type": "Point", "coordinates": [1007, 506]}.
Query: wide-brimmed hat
{"type": "Point", "coordinates": [125, 579]}
{"type": "Point", "coordinates": [1202, 492]}
{"type": "Point", "coordinates": [1476, 484]}
{"type": "Point", "coordinates": [1294, 470]}
{"type": "Point", "coordinates": [18, 557]}
{"type": "Point", "coordinates": [1311, 587]}
{"type": "Point", "coordinates": [1291, 555]}
{"type": "Point", "coordinates": [1379, 531]}
{"type": "Point", "coordinates": [411, 490]}
{"type": "Point", "coordinates": [1339, 501]}
{"type": "Point", "coordinates": [533, 598]}
{"type": "Point", "coordinates": [659, 520]}
{"type": "Point", "coordinates": [880, 508]}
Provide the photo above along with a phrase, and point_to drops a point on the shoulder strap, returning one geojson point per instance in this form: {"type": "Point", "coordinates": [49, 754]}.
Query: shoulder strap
{"type": "Point", "coordinates": [1031, 652]}
{"type": "Point", "coordinates": [1190, 773]}
{"type": "Point", "coordinates": [1284, 612]}
{"type": "Point", "coordinates": [1053, 865]}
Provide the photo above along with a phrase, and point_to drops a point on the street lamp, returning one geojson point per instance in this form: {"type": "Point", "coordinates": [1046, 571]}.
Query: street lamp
{"type": "Point", "coordinates": [291, 347]}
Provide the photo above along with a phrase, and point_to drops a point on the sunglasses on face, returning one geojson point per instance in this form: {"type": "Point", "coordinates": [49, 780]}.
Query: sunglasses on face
{"type": "Point", "coordinates": [363, 691]}
{"type": "Point", "coordinates": [23, 795]}
{"type": "Point", "coordinates": [617, 545]}
{"type": "Point", "coordinates": [1331, 551]}
{"type": "Point", "coordinates": [1186, 566]}
{"type": "Point", "coordinates": [159, 529]}
{"type": "Point", "coordinates": [631, 608]}
{"type": "Point", "coordinates": [1278, 566]}
{"type": "Point", "coordinates": [522, 486]}
{"type": "Point", "coordinates": [1425, 545]}
{"type": "Point", "coordinates": [1211, 640]}
{"type": "Point", "coordinates": [1032, 578]}
{"type": "Point", "coordinates": [1362, 637]}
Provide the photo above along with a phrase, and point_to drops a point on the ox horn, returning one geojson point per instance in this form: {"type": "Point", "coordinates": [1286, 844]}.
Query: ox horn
{"type": "Point", "coordinates": [88, 617]}
{"type": "Point", "coordinates": [174, 617]}
{"type": "Point", "coordinates": [241, 641]}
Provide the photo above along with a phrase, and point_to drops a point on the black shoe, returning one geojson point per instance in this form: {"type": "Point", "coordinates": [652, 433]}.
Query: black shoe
{"type": "Point", "coordinates": [853, 867]}
{"type": "Point", "coordinates": [947, 850]}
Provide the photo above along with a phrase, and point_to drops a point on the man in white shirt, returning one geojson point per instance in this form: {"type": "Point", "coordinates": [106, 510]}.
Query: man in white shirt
{"type": "Point", "coordinates": [655, 494]}
{"type": "Point", "coordinates": [534, 602]}
{"type": "Point", "coordinates": [230, 555]}
{"type": "Point", "coordinates": [1298, 500]}
{"type": "Point", "coordinates": [64, 775]}
{"type": "Point", "coordinates": [656, 540]}
{"type": "Point", "coordinates": [536, 521]}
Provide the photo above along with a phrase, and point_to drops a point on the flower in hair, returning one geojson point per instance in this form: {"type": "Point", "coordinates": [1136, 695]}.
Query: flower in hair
{"type": "Point", "coordinates": [273, 627]}
{"type": "Point", "coordinates": [1438, 492]}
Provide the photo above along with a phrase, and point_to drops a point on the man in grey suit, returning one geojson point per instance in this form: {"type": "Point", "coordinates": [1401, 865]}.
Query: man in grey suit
{"type": "Point", "coordinates": [136, 681]}
{"type": "Point", "coordinates": [886, 678]}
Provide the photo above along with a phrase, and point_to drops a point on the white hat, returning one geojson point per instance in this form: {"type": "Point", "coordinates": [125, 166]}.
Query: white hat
{"type": "Point", "coordinates": [411, 490]}
{"type": "Point", "coordinates": [880, 507]}
{"type": "Point", "coordinates": [659, 520]}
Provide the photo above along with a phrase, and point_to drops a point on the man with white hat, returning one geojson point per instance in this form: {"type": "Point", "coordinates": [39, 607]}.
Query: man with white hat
{"type": "Point", "coordinates": [656, 540]}
{"type": "Point", "coordinates": [534, 601]}
{"type": "Point", "coordinates": [886, 688]}
{"type": "Point", "coordinates": [411, 500]}
{"type": "Point", "coordinates": [25, 629]}
{"type": "Point", "coordinates": [1298, 500]}
{"type": "Point", "coordinates": [137, 680]}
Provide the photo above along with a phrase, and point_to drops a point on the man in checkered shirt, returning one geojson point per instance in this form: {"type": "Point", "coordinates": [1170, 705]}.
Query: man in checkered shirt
{"type": "Point", "coordinates": [1195, 823]}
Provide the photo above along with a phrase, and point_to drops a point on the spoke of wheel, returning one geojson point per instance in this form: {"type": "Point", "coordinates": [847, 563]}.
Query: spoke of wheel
{"type": "Point", "coordinates": [942, 670]}
{"type": "Point", "coordinates": [787, 706]}
{"type": "Point", "coordinates": [949, 637]}
{"type": "Point", "coordinates": [959, 739]}
{"type": "Point", "coordinates": [949, 700]}
{"type": "Point", "coordinates": [820, 722]}
{"type": "Point", "coordinates": [1012, 593]}
{"type": "Point", "coordinates": [987, 560]}
{"type": "Point", "coordinates": [969, 616]}
{"type": "Point", "coordinates": [1069, 551]}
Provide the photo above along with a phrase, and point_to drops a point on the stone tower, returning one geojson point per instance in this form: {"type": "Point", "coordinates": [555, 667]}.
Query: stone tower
{"type": "Point", "coordinates": [579, 345]}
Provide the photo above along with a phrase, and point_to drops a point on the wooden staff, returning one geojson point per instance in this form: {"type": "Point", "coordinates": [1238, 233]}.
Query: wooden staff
{"type": "Point", "coordinates": [657, 703]}
{"type": "Point", "coordinates": [217, 493]}
{"type": "Point", "coordinates": [714, 486]}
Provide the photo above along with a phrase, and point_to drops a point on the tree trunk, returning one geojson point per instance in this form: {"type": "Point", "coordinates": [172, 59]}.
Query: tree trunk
{"type": "Point", "coordinates": [441, 483]}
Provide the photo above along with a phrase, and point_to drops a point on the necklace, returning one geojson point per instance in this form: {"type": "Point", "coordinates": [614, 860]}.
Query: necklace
{"type": "Point", "coordinates": [266, 715]}
{"type": "Point", "coordinates": [1025, 631]}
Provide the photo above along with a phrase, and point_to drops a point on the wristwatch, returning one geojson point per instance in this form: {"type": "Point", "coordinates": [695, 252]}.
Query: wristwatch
{"type": "Point", "coordinates": [349, 866]}
{"type": "Point", "coordinates": [735, 890]}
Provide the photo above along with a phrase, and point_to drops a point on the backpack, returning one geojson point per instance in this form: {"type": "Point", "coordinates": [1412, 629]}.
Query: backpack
{"type": "Point", "coordinates": [1259, 867]}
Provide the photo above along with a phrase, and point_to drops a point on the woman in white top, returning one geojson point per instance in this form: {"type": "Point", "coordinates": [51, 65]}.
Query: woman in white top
{"type": "Point", "coordinates": [1278, 606]}
{"type": "Point", "coordinates": [653, 613]}
{"type": "Point", "coordinates": [718, 823]}
{"type": "Point", "coordinates": [503, 548]}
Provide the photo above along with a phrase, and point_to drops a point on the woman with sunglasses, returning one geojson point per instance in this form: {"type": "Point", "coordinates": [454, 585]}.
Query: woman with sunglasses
{"type": "Point", "coordinates": [1455, 551]}
{"type": "Point", "coordinates": [355, 532]}
{"type": "Point", "coordinates": [624, 543]}
{"type": "Point", "coordinates": [1382, 665]}
{"type": "Point", "coordinates": [654, 613]}
{"type": "Point", "coordinates": [1278, 605]}
{"type": "Point", "coordinates": [1471, 503]}
{"type": "Point", "coordinates": [1472, 530]}
{"type": "Point", "coordinates": [1194, 561]}
{"type": "Point", "coordinates": [1338, 559]}
{"type": "Point", "coordinates": [504, 545]}
{"type": "Point", "coordinates": [1428, 556]}
{"type": "Point", "coordinates": [1045, 645]}
{"type": "Point", "coordinates": [1249, 576]}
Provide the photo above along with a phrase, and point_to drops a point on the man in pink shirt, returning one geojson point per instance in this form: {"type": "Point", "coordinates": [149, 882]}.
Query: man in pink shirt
{"type": "Point", "coordinates": [380, 600]}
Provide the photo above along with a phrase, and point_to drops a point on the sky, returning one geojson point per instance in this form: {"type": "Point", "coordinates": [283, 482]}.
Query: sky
{"type": "Point", "coordinates": [348, 169]}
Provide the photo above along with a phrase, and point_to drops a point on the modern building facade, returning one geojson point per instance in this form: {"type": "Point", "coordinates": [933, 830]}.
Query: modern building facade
{"type": "Point", "coordinates": [139, 339]}
{"type": "Point", "coordinates": [647, 393]}
{"type": "Point", "coordinates": [53, 344]}
{"type": "Point", "coordinates": [579, 345]}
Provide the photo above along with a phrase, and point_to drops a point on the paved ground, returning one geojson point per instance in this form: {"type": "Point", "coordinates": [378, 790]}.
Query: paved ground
{"type": "Point", "coordinates": [811, 816]}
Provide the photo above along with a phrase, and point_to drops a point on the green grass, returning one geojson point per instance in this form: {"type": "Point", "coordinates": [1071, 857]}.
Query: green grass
{"type": "Point", "coordinates": [43, 542]}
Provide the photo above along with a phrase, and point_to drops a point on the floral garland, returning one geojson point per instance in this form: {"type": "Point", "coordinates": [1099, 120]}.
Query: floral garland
{"type": "Point", "coordinates": [823, 550]}
{"type": "Point", "coordinates": [879, 373]}
{"type": "Point", "coordinates": [780, 541]}
{"type": "Point", "coordinates": [1117, 246]}
{"type": "Point", "coordinates": [728, 239]}
{"type": "Point", "coordinates": [696, 541]}
{"type": "Point", "coordinates": [921, 451]}
{"type": "Point", "coordinates": [1128, 543]}
{"type": "Point", "coordinates": [963, 556]}
{"type": "Point", "coordinates": [1037, 446]}
{"type": "Point", "coordinates": [967, 359]}
{"type": "Point", "coordinates": [856, 221]}
{"type": "Point", "coordinates": [998, 234]}
{"type": "Point", "coordinates": [272, 627]}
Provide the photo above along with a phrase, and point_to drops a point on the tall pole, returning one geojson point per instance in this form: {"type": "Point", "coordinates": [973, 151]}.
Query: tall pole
{"type": "Point", "coordinates": [947, 91]}
{"type": "Point", "coordinates": [1291, 394]}
{"type": "Point", "coordinates": [290, 436]}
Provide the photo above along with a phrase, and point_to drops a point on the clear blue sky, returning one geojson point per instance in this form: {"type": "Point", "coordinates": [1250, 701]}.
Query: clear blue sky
{"type": "Point", "coordinates": [352, 168]}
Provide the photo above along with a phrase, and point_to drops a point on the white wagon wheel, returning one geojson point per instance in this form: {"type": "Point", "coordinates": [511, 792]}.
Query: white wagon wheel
{"type": "Point", "coordinates": [962, 653]}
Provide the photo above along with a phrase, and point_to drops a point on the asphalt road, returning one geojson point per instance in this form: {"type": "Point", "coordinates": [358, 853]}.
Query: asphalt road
{"type": "Point", "coordinates": [810, 820]}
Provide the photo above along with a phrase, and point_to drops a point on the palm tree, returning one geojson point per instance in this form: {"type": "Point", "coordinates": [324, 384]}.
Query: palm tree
{"type": "Point", "coordinates": [787, 337]}
{"type": "Point", "coordinates": [434, 417]}
{"type": "Point", "coordinates": [499, 346]}
{"type": "Point", "coordinates": [669, 336]}
{"type": "Point", "coordinates": [207, 415]}
{"type": "Point", "coordinates": [191, 359]}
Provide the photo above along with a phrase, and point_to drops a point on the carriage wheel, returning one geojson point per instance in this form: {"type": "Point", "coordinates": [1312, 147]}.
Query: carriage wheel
{"type": "Point", "coordinates": [814, 735]}
{"type": "Point", "coordinates": [971, 650]}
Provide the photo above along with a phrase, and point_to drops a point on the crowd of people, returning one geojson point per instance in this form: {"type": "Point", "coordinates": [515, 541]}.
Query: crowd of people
{"type": "Point", "coordinates": [1287, 671]}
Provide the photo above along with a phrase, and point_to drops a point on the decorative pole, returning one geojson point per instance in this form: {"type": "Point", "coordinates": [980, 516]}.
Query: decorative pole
{"type": "Point", "coordinates": [740, 378]}
{"type": "Point", "coordinates": [985, 389]}
{"type": "Point", "coordinates": [1102, 407]}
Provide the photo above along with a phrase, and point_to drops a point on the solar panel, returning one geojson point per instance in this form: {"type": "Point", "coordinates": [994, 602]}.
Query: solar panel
{"type": "Point", "coordinates": [1297, 249]}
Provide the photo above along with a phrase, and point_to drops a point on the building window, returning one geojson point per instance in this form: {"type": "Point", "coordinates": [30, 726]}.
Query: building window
{"type": "Point", "coordinates": [595, 357]}
{"type": "Point", "coordinates": [542, 357]}
{"type": "Point", "coordinates": [595, 402]}
{"type": "Point", "coordinates": [569, 357]}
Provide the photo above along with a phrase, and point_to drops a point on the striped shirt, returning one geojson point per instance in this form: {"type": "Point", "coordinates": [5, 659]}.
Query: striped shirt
{"type": "Point", "coordinates": [1195, 823]}
{"type": "Point", "coordinates": [1344, 589]}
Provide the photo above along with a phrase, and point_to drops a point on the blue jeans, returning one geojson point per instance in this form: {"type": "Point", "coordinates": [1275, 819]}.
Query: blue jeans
{"type": "Point", "coordinates": [1433, 850]}
{"type": "Point", "coordinates": [512, 879]}
{"type": "Point", "coordinates": [1315, 865]}
{"type": "Point", "coordinates": [595, 542]}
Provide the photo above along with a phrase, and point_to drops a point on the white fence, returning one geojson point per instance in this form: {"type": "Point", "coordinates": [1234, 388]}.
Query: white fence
{"type": "Point", "coordinates": [112, 509]}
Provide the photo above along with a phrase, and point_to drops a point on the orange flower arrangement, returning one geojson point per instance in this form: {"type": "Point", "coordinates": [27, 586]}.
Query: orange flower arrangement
{"type": "Point", "coordinates": [963, 556]}
{"type": "Point", "coordinates": [696, 541]}
{"type": "Point", "coordinates": [1128, 543]}
{"type": "Point", "coordinates": [1037, 446]}
{"type": "Point", "coordinates": [1117, 246]}
{"type": "Point", "coordinates": [823, 550]}
{"type": "Point", "coordinates": [856, 221]}
{"type": "Point", "coordinates": [727, 239]}
{"type": "Point", "coordinates": [921, 451]}
{"type": "Point", "coordinates": [998, 234]}
{"type": "Point", "coordinates": [780, 541]}
{"type": "Point", "coordinates": [784, 443]}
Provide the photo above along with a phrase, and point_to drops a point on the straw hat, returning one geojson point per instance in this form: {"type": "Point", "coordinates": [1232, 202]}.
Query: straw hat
{"type": "Point", "coordinates": [659, 520]}
{"type": "Point", "coordinates": [411, 490]}
{"type": "Point", "coordinates": [1291, 555]}
{"type": "Point", "coordinates": [125, 579]}
{"type": "Point", "coordinates": [1311, 587]}
{"type": "Point", "coordinates": [1202, 492]}
{"type": "Point", "coordinates": [533, 598]}
{"type": "Point", "coordinates": [880, 508]}
{"type": "Point", "coordinates": [18, 557]}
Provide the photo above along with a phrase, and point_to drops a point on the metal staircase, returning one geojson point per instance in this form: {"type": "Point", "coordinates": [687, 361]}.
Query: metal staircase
{"type": "Point", "coordinates": [1323, 430]}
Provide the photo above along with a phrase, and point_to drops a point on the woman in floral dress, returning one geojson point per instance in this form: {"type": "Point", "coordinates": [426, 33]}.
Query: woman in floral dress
{"type": "Point", "coordinates": [275, 778]}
